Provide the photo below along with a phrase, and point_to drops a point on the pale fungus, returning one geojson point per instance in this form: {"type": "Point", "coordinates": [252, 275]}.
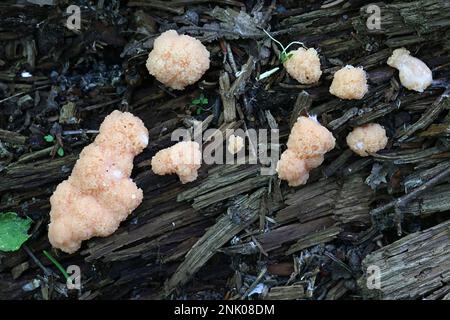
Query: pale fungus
{"type": "Point", "coordinates": [177, 60]}
{"type": "Point", "coordinates": [349, 83]}
{"type": "Point", "coordinates": [303, 65]}
{"type": "Point", "coordinates": [367, 139]}
{"type": "Point", "coordinates": [183, 158]}
{"type": "Point", "coordinates": [235, 144]}
{"type": "Point", "coordinates": [414, 73]}
{"type": "Point", "coordinates": [99, 194]}
{"type": "Point", "coordinates": [307, 144]}
{"type": "Point", "coordinates": [292, 169]}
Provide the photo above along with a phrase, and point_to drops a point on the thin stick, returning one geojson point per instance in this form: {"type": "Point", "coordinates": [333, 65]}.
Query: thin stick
{"type": "Point", "coordinates": [47, 272]}
{"type": "Point", "coordinates": [331, 4]}
{"type": "Point", "coordinates": [231, 59]}
{"type": "Point", "coordinates": [80, 131]}
{"type": "Point", "coordinates": [25, 92]}
{"type": "Point", "coordinates": [402, 201]}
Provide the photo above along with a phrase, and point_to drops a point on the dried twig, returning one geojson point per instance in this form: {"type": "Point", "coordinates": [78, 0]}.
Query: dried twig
{"type": "Point", "coordinates": [402, 201]}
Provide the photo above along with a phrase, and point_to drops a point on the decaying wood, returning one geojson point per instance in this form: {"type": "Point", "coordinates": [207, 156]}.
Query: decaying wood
{"type": "Point", "coordinates": [276, 238]}
{"type": "Point", "coordinates": [348, 202]}
{"type": "Point", "coordinates": [442, 293]}
{"type": "Point", "coordinates": [304, 242]}
{"type": "Point", "coordinates": [435, 200]}
{"type": "Point", "coordinates": [224, 184]}
{"type": "Point", "coordinates": [337, 291]}
{"type": "Point", "coordinates": [110, 250]}
{"type": "Point", "coordinates": [322, 208]}
{"type": "Point", "coordinates": [411, 267]}
{"type": "Point", "coordinates": [419, 177]}
{"type": "Point", "coordinates": [228, 99]}
{"type": "Point", "coordinates": [302, 105]}
{"type": "Point", "coordinates": [428, 117]}
{"type": "Point", "coordinates": [30, 175]}
{"type": "Point", "coordinates": [242, 214]}
{"type": "Point", "coordinates": [12, 137]}
{"type": "Point", "coordinates": [402, 201]}
{"type": "Point", "coordinates": [293, 292]}
{"type": "Point", "coordinates": [315, 238]}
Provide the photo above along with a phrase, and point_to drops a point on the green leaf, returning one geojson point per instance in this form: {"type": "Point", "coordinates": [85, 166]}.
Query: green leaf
{"type": "Point", "coordinates": [199, 110]}
{"type": "Point", "coordinates": [13, 231]}
{"type": "Point", "coordinates": [60, 152]}
{"type": "Point", "coordinates": [285, 56]}
{"type": "Point", "coordinates": [49, 138]}
{"type": "Point", "coordinates": [201, 100]}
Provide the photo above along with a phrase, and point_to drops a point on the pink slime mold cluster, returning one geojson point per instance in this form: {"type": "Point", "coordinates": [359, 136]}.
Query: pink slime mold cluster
{"type": "Point", "coordinates": [366, 139]}
{"type": "Point", "coordinates": [177, 60]}
{"type": "Point", "coordinates": [183, 158]}
{"type": "Point", "coordinates": [307, 144]}
{"type": "Point", "coordinates": [99, 194]}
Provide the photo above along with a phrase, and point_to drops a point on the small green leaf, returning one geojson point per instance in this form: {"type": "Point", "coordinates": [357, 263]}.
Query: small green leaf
{"type": "Point", "coordinates": [60, 152]}
{"type": "Point", "coordinates": [49, 138]}
{"type": "Point", "coordinates": [285, 56]}
{"type": "Point", "coordinates": [199, 110]}
{"type": "Point", "coordinates": [13, 231]}
{"type": "Point", "coordinates": [201, 100]}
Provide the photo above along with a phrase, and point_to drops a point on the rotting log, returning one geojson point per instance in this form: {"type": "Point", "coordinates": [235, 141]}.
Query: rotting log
{"type": "Point", "coordinates": [228, 99]}
{"type": "Point", "coordinates": [301, 105]}
{"type": "Point", "coordinates": [12, 137]}
{"type": "Point", "coordinates": [435, 200]}
{"type": "Point", "coordinates": [411, 267]}
{"type": "Point", "coordinates": [148, 247]}
{"type": "Point", "coordinates": [347, 202]}
{"type": "Point", "coordinates": [315, 238]}
{"type": "Point", "coordinates": [286, 234]}
{"type": "Point", "coordinates": [242, 214]}
{"type": "Point", "coordinates": [320, 210]}
{"type": "Point", "coordinates": [293, 292]}
{"type": "Point", "coordinates": [224, 184]}
{"type": "Point", "coordinates": [31, 175]}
